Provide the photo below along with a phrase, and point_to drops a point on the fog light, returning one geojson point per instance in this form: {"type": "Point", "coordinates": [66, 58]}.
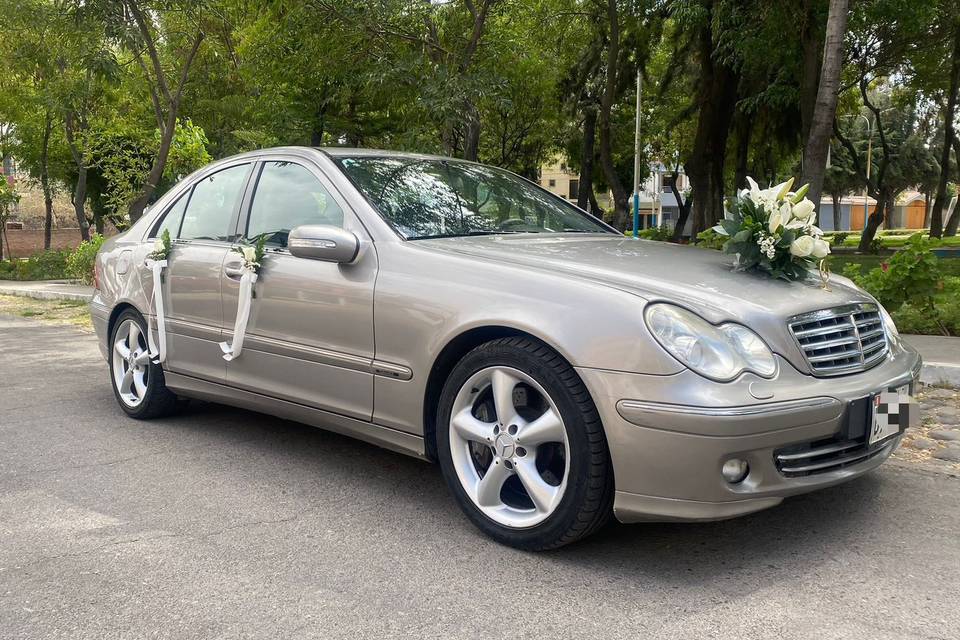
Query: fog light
{"type": "Point", "coordinates": [735, 470]}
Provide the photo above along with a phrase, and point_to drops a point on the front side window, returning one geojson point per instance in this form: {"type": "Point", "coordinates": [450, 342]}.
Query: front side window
{"type": "Point", "coordinates": [288, 196]}
{"type": "Point", "coordinates": [442, 198]}
{"type": "Point", "coordinates": [212, 205]}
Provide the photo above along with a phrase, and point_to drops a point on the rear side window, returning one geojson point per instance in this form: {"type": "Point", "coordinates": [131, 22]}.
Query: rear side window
{"type": "Point", "coordinates": [172, 219]}
{"type": "Point", "coordinates": [287, 196]}
{"type": "Point", "coordinates": [212, 205]}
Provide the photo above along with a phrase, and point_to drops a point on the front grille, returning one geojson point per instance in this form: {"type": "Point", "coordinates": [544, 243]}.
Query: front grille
{"type": "Point", "coordinates": [841, 340]}
{"type": "Point", "coordinates": [826, 455]}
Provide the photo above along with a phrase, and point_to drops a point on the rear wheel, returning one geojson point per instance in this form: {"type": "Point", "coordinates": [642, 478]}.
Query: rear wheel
{"type": "Point", "coordinates": [138, 383]}
{"type": "Point", "coordinates": [521, 445]}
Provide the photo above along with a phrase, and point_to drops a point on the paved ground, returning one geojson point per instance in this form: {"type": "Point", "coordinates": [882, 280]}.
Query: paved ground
{"type": "Point", "coordinates": [222, 523]}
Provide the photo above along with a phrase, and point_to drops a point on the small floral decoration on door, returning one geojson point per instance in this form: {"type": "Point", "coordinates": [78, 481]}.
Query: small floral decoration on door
{"type": "Point", "coordinates": [772, 230]}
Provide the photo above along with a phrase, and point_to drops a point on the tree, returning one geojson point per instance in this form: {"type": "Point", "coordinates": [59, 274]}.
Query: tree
{"type": "Point", "coordinates": [949, 136]}
{"type": "Point", "coordinates": [821, 126]}
{"type": "Point", "coordinates": [144, 28]}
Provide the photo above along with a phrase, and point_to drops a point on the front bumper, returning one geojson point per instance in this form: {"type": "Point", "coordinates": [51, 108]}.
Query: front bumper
{"type": "Point", "coordinates": [669, 436]}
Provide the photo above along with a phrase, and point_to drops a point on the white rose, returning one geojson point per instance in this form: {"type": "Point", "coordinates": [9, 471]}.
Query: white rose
{"type": "Point", "coordinates": [158, 246]}
{"type": "Point", "coordinates": [802, 246]}
{"type": "Point", "coordinates": [249, 254]}
{"type": "Point", "coordinates": [815, 231]}
{"type": "Point", "coordinates": [821, 248]}
{"type": "Point", "coordinates": [803, 210]}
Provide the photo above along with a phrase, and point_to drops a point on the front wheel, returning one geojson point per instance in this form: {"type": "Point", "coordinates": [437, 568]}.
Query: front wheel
{"type": "Point", "coordinates": [522, 447]}
{"type": "Point", "coordinates": [138, 383]}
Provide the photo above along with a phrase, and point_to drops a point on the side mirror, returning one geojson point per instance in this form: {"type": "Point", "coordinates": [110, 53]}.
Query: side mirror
{"type": "Point", "coordinates": [323, 242]}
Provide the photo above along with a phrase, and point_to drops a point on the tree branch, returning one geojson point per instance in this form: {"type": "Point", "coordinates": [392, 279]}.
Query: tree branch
{"type": "Point", "coordinates": [151, 47]}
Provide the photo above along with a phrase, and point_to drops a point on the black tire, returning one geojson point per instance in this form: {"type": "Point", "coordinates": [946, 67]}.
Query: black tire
{"type": "Point", "coordinates": [587, 502]}
{"type": "Point", "coordinates": [158, 401]}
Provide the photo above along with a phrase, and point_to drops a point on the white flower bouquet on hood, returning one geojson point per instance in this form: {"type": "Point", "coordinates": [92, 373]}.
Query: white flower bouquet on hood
{"type": "Point", "coordinates": [773, 230]}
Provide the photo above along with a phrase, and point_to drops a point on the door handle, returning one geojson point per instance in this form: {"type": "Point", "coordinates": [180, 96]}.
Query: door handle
{"type": "Point", "coordinates": [233, 270]}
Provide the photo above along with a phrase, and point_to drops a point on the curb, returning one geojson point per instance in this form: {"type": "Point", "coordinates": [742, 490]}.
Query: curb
{"type": "Point", "coordinates": [48, 295]}
{"type": "Point", "coordinates": [940, 374]}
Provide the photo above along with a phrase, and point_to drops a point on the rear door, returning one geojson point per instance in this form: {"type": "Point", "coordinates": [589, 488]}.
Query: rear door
{"type": "Point", "coordinates": [202, 223]}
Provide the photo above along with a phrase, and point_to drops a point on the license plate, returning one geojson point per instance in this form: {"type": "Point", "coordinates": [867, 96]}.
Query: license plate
{"type": "Point", "coordinates": [893, 411]}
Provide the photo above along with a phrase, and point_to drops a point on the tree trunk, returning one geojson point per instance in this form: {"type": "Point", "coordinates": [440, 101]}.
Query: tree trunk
{"type": "Point", "coordinates": [811, 42]}
{"type": "Point", "coordinates": [874, 221]}
{"type": "Point", "coordinates": [744, 130]}
{"type": "Point", "coordinates": [837, 217]}
{"type": "Point", "coordinates": [926, 209]}
{"type": "Point", "coordinates": [936, 215]}
{"type": "Point", "coordinates": [716, 100]}
{"type": "Point", "coordinates": [79, 202]}
{"type": "Point", "coordinates": [80, 188]}
{"type": "Point", "coordinates": [45, 181]}
{"type": "Point", "coordinates": [156, 171]}
{"type": "Point", "coordinates": [953, 211]}
{"type": "Point", "coordinates": [818, 141]}
{"type": "Point", "coordinates": [621, 199]}
{"type": "Point", "coordinates": [586, 158]}
{"type": "Point", "coordinates": [683, 213]}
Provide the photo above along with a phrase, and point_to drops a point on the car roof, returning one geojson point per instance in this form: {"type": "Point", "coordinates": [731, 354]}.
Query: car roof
{"type": "Point", "coordinates": [354, 152]}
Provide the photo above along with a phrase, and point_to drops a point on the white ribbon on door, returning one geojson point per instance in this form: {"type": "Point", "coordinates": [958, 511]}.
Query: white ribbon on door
{"type": "Point", "coordinates": [158, 348]}
{"type": "Point", "coordinates": [247, 280]}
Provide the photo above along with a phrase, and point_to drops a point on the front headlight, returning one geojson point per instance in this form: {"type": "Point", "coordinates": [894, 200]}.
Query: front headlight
{"type": "Point", "coordinates": [720, 352]}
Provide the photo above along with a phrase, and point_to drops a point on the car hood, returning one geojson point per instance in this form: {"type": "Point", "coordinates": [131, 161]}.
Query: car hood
{"type": "Point", "coordinates": [700, 278]}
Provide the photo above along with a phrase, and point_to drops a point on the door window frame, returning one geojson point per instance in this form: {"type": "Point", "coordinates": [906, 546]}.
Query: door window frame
{"type": "Point", "coordinates": [187, 193]}
{"type": "Point", "coordinates": [351, 221]}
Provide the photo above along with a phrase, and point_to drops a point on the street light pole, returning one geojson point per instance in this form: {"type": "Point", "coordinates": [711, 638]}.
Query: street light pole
{"type": "Point", "coordinates": [636, 167]}
{"type": "Point", "coordinates": [866, 212]}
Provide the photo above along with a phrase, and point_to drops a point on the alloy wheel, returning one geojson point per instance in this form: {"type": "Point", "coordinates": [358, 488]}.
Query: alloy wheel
{"type": "Point", "coordinates": [131, 363]}
{"type": "Point", "coordinates": [509, 446]}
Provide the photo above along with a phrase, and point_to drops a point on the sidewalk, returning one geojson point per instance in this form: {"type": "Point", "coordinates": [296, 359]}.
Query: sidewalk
{"type": "Point", "coordinates": [941, 358]}
{"type": "Point", "coordinates": [941, 355]}
{"type": "Point", "coordinates": [47, 290]}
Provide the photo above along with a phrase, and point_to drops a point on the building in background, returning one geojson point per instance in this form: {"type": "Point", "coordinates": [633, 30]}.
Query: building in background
{"type": "Point", "coordinates": [656, 196]}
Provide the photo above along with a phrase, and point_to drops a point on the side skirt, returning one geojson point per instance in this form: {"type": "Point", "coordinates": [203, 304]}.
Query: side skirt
{"type": "Point", "coordinates": [385, 437]}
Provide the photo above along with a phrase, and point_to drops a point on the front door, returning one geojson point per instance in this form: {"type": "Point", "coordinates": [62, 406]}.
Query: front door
{"type": "Point", "coordinates": [201, 223]}
{"type": "Point", "coordinates": [310, 331]}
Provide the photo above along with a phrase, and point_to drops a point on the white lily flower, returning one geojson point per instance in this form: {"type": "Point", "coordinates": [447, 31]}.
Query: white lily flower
{"type": "Point", "coordinates": [802, 246]}
{"type": "Point", "coordinates": [821, 248]}
{"type": "Point", "coordinates": [754, 190]}
{"type": "Point", "coordinates": [774, 223]}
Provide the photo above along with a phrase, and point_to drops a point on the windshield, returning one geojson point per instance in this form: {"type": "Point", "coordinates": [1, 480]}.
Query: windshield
{"type": "Point", "coordinates": [441, 198]}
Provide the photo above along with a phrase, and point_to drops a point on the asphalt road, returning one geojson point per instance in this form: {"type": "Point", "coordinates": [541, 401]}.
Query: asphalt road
{"type": "Point", "coordinates": [222, 523]}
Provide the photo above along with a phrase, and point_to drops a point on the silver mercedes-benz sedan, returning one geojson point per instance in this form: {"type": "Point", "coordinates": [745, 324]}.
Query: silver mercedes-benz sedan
{"type": "Point", "coordinates": [559, 372]}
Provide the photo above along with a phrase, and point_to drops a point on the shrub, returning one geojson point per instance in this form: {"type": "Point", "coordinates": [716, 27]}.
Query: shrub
{"type": "Point", "coordinates": [710, 239]}
{"type": "Point", "coordinates": [46, 265]}
{"type": "Point", "coordinates": [80, 263]}
{"type": "Point", "coordinates": [913, 276]}
{"type": "Point", "coordinates": [838, 238]}
{"type": "Point", "coordinates": [661, 233]}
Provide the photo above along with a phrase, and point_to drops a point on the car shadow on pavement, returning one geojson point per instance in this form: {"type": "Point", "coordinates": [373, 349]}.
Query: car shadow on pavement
{"type": "Point", "coordinates": [803, 535]}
